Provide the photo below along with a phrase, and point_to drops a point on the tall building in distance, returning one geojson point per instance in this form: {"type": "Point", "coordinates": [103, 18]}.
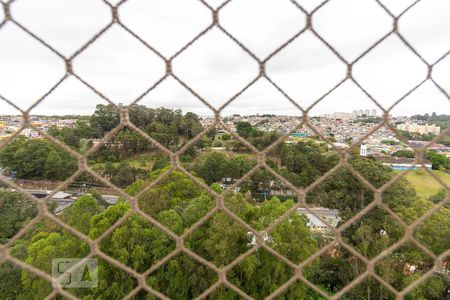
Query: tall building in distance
{"type": "Point", "coordinates": [364, 112]}
{"type": "Point", "coordinates": [355, 114]}
{"type": "Point", "coordinates": [339, 115]}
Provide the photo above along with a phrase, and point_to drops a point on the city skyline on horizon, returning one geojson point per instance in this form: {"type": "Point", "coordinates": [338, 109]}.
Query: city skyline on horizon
{"type": "Point", "coordinates": [378, 114]}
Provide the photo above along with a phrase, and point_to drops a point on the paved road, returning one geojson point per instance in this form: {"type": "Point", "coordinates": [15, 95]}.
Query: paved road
{"type": "Point", "coordinates": [321, 211]}
{"type": "Point", "coordinates": [64, 202]}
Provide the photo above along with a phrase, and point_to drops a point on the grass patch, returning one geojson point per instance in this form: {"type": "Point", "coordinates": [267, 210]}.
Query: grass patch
{"type": "Point", "coordinates": [143, 161]}
{"type": "Point", "coordinates": [424, 184]}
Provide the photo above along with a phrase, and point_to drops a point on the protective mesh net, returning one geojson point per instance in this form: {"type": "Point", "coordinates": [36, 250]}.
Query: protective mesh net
{"type": "Point", "coordinates": [301, 193]}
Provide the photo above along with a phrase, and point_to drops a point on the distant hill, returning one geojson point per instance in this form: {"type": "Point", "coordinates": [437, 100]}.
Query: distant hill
{"type": "Point", "coordinates": [439, 120]}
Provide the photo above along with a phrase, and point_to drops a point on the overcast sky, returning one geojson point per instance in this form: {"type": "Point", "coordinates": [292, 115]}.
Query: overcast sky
{"type": "Point", "coordinates": [121, 68]}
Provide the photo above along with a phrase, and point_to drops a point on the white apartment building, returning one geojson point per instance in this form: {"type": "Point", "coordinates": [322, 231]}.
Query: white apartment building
{"type": "Point", "coordinates": [422, 129]}
{"type": "Point", "coordinates": [339, 115]}
{"type": "Point", "coordinates": [30, 133]}
{"type": "Point", "coordinates": [367, 112]}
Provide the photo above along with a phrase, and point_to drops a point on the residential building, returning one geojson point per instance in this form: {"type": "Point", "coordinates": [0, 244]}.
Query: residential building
{"type": "Point", "coordinates": [402, 163]}
{"type": "Point", "coordinates": [422, 129]}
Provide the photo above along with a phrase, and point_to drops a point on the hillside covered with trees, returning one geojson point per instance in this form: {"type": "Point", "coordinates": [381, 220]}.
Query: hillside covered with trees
{"type": "Point", "coordinates": [177, 202]}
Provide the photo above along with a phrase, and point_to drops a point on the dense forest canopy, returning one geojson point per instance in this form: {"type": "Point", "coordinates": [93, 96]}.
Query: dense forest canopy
{"type": "Point", "coordinates": [177, 202]}
{"type": "Point", "coordinates": [168, 126]}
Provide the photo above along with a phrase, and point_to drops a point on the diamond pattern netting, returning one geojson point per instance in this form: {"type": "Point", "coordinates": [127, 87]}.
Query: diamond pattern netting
{"type": "Point", "coordinates": [219, 198]}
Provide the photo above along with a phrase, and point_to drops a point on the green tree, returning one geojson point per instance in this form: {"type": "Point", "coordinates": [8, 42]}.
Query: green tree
{"type": "Point", "coordinates": [81, 212]}
{"type": "Point", "coordinates": [331, 273]}
{"type": "Point", "coordinates": [213, 167]}
{"type": "Point", "coordinates": [104, 119]}
{"type": "Point", "coordinates": [10, 282]}
{"type": "Point", "coordinates": [42, 249]}
{"type": "Point", "coordinates": [135, 243]}
{"type": "Point", "coordinates": [124, 175]}
{"type": "Point", "coordinates": [37, 159]}
{"type": "Point", "coordinates": [226, 137]}
{"type": "Point", "coordinates": [161, 162]}
{"type": "Point", "coordinates": [439, 161]}
{"type": "Point", "coordinates": [98, 197]}
{"type": "Point", "coordinates": [15, 212]}
{"type": "Point", "coordinates": [173, 192]}
{"type": "Point", "coordinates": [52, 166]}
{"type": "Point", "coordinates": [404, 153]}
{"type": "Point", "coordinates": [434, 232]}
{"type": "Point", "coordinates": [238, 166]}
